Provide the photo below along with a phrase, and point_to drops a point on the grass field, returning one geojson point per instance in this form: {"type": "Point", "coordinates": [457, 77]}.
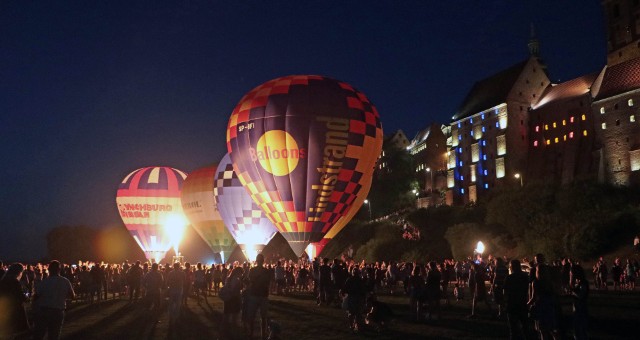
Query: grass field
{"type": "Point", "coordinates": [614, 315]}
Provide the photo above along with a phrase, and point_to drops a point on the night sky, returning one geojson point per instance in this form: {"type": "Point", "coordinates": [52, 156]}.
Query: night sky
{"type": "Point", "coordinates": [92, 90]}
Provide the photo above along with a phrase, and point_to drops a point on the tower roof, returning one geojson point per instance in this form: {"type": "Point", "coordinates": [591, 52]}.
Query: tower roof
{"type": "Point", "coordinates": [490, 91]}
{"type": "Point", "coordinates": [569, 89]}
{"type": "Point", "coordinates": [620, 78]}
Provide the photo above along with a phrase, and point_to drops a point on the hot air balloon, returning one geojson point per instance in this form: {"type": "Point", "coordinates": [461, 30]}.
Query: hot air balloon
{"type": "Point", "coordinates": [148, 200]}
{"type": "Point", "coordinates": [304, 147]}
{"type": "Point", "coordinates": [317, 247]}
{"type": "Point", "coordinates": [200, 207]}
{"type": "Point", "coordinates": [251, 229]}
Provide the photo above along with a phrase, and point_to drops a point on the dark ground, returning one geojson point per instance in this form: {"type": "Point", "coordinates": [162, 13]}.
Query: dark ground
{"type": "Point", "coordinates": [614, 315]}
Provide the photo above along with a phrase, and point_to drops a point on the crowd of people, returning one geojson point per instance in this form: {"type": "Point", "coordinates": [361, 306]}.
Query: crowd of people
{"type": "Point", "coordinates": [523, 292]}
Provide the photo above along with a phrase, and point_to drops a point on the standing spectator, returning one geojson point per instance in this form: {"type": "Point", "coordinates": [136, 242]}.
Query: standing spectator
{"type": "Point", "coordinates": [500, 273]}
{"type": "Point", "coordinates": [199, 282]}
{"type": "Point", "coordinates": [50, 301]}
{"type": "Point", "coordinates": [153, 283]}
{"type": "Point", "coordinates": [258, 296]}
{"type": "Point", "coordinates": [433, 290]}
{"type": "Point", "coordinates": [416, 292]}
{"type": "Point", "coordinates": [13, 319]}
{"type": "Point", "coordinates": [134, 278]}
{"type": "Point", "coordinates": [580, 293]}
{"type": "Point", "coordinates": [354, 292]}
{"type": "Point", "coordinates": [616, 274]}
{"type": "Point", "coordinates": [542, 300]}
{"type": "Point", "coordinates": [279, 275]}
{"type": "Point", "coordinates": [324, 281]}
{"type": "Point", "coordinates": [636, 244]}
{"type": "Point", "coordinates": [479, 275]}
{"type": "Point", "coordinates": [516, 292]}
{"type": "Point", "coordinates": [175, 286]}
{"type": "Point", "coordinates": [233, 302]}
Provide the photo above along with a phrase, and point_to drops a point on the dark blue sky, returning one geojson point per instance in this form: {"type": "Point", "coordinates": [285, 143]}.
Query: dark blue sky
{"type": "Point", "coordinates": [91, 90]}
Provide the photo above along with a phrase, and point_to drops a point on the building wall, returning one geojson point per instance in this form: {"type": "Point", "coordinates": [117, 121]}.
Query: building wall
{"type": "Point", "coordinates": [562, 141]}
{"type": "Point", "coordinates": [618, 135]}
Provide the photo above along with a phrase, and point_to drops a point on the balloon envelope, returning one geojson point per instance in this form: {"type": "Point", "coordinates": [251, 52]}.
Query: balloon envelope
{"type": "Point", "coordinates": [304, 147]}
{"type": "Point", "coordinates": [147, 199]}
{"type": "Point", "coordinates": [249, 226]}
{"type": "Point", "coordinates": [200, 207]}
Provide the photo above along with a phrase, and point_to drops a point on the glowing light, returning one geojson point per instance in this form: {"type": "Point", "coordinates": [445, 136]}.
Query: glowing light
{"type": "Point", "coordinates": [175, 225]}
{"type": "Point", "coordinates": [479, 248]}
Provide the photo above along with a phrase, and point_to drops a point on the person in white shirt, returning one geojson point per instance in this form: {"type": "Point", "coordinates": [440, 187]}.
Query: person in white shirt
{"type": "Point", "coordinates": [50, 302]}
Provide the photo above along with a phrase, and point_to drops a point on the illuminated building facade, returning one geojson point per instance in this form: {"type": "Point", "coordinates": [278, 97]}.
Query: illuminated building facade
{"type": "Point", "coordinates": [490, 131]}
{"type": "Point", "coordinates": [429, 151]}
{"type": "Point", "coordinates": [562, 134]}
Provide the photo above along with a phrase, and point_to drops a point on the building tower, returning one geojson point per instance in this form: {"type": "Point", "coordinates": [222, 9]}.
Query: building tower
{"type": "Point", "coordinates": [622, 23]}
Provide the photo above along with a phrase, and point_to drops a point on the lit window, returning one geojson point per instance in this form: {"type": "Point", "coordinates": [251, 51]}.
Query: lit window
{"type": "Point", "coordinates": [584, 117]}
{"type": "Point", "coordinates": [471, 133]}
{"type": "Point", "coordinates": [497, 124]}
{"type": "Point", "coordinates": [450, 179]}
{"type": "Point", "coordinates": [460, 150]}
{"type": "Point", "coordinates": [535, 143]}
{"type": "Point", "coordinates": [635, 160]}
{"type": "Point", "coordinates": [475, 152]}
{"type": "Point", "coordinates": [473, 172]}
{"type": "Point", "coordinates": [632, 118]}
{"type": "Point", "coordinates": [604, 126]}
{"type": "Point", "coordinates": [460, 163]}
{"type": "Point", "coordinates": [499, 167]}
{"type": "Point", "coordinates": [462, 190]}
{"type": "Point", "coordinates": [471, 120]}
{"type": "Point", "coordinates": [459, 137]}
{"type": "Point", "coordinates": [483, 129]}
{"type": "Point", "coordinates": [564, 122]}
{"type": "Point", "coordinates": [501, 145]}
{"type": "Point", "coordinates": [537, 128]}
{"type": "Point", "coordinates": [484, 143]}
{"type": "Point", "coordinates": [486, 172]}
{"type": "Point", "coordinates": [554, 125]}
{"type": "Point", "coordinates": [484, 157]}
{"type": "Point", "coordinates": [482, 116]}
{"type": "Point", "coordinates": [571, 120]}
{"type": "Point", "coordinates": [503, 122]}
{"type": "Point", "coordinates": [584, 133]}
{"type": "Point", "coordinates": [602, 110]}
{"type": "Point", "coordinates": [548, 141]}
{"type": "Point", "coordinates": [556, 140]}
{"type": "Point", "coordinates": [546, 127]}
{"type": "Point", "coordinates": [630, 102]}
{"type": "Point", "coordinates": [564, 138]}
{"type": "Point", "coordinates": [459, 125]}
{"type": "Point", "coordinates": [486, 185]}
{"type": "Point", "coordinates": [461, 178]}
{"type": "Point", "coordinates": [571, 135]}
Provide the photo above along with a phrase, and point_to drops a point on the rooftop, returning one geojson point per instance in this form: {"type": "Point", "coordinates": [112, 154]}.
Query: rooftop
{"type": "Point", "coordinates": [620, 78]}
{"type": "Point", "coordinates": [569, 89]}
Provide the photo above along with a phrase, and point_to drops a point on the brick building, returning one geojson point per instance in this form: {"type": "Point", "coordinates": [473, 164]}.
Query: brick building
{"type": "Point", "coordinates": [429, 151]}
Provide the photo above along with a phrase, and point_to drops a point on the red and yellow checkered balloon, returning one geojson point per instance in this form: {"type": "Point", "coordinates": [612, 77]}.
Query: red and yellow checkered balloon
{"type": "Point", "coordinates": [305, 147]}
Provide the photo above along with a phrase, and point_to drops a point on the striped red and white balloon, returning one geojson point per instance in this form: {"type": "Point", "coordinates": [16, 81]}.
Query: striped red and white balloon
{"type": "Point", "coordinates": [148, 200]}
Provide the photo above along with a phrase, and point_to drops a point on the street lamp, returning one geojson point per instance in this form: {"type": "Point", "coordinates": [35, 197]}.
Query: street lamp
{"type": "Point", "coordinates": [431, 183]}
{"type": "Point", "coordinates": [517, 175]}
{"type": "Point", "coordinates": [366, 201]}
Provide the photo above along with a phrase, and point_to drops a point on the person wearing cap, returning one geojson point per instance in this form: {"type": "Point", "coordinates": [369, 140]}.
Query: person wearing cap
{"type": "Point", "coordinates": [50, 302]}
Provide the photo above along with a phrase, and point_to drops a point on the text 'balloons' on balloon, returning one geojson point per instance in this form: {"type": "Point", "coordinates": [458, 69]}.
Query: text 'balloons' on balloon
{"type": "Point", "coordinates": [305, 148]}
{"type": "Point", "coordinates": [249, 226]}
{"type": "Point", "coordinates": [148, 200]}
{"type": "Point", "coordinates": [200, 207]}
